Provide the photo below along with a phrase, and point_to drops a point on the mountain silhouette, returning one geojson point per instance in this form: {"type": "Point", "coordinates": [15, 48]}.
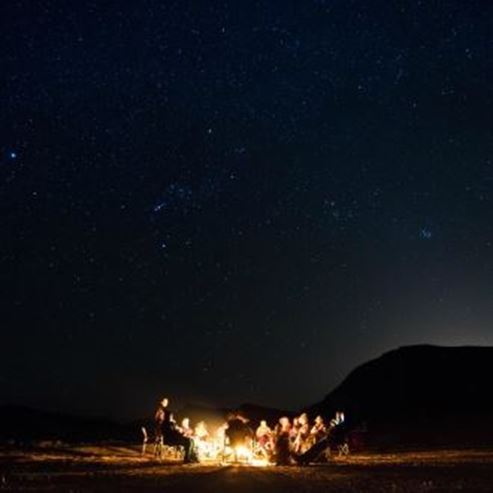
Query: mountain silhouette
{"type": "Point", "coordinates": [419, 391]}
{"type": "Point", "coordinates": [417, 383]}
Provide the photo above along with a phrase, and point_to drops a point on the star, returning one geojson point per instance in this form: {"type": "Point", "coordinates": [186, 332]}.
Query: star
{"type": "Point", "coordinates": [426, 234]}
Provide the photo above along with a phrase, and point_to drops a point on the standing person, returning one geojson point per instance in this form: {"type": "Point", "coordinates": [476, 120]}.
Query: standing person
{"type": "Point", "coordinates": [159, 419]}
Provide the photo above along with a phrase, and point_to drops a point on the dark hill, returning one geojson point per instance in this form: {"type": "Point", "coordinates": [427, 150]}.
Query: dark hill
{"type": "Point", "coordinates": [23, 424]}
{"type": "Point", "coordinates": [418, 387]}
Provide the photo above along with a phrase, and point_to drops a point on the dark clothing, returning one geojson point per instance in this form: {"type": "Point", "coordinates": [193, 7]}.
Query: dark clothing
{"type": "Point", "coordinates": [173, 437]}
{"type": "Point", "coordinates": [282, 452]}
{"type": "Point", "coordinates": [238, 432]}
{"type": "Point", "coordinates": [159, 419]}
{"type": "Point", "coordinates": [313, 452]}
{"type": "Point", "coordinates": [334, 437]}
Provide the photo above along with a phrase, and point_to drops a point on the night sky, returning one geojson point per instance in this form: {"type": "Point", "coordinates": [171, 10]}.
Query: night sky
{"type": "Point", "coordinates": [238, 201]}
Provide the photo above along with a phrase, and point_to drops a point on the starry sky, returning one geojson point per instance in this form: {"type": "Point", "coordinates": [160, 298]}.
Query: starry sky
{"type": "Point", "coordinates": [238, 201]}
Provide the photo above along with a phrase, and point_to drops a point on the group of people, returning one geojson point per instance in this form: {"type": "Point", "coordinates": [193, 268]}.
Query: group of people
{"type": "Point", "coordinates": [194, 441]}
{"type": "Point", "coordinates": [168, 432]}
{"type": "Point", "coordinates": [286, 443]}
{"type": "Point", "coordinates": [292, 439]}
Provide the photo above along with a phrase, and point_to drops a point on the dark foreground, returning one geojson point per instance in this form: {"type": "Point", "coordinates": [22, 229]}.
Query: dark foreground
{"type": "Point", "coordinates": [79, 469]}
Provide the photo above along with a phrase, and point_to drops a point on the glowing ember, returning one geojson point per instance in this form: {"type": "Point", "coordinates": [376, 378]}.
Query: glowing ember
{"type": "Point", "coordinates": [243, 453]}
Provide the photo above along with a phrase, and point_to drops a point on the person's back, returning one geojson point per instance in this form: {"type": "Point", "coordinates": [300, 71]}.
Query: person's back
{"type": "Point", "coordinates": [282, 446]}
{"type": "Point", "coordinates": [238, 431]}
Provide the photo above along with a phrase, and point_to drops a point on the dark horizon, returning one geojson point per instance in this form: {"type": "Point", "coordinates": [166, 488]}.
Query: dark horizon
{"type": "Point", "coordinates": [238, 202]}
{"type": "Point", "coordinates": [180, 406]}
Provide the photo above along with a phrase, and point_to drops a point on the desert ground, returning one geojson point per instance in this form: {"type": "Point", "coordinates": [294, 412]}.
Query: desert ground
{"type": "Point", "coordinates": [57, 467]}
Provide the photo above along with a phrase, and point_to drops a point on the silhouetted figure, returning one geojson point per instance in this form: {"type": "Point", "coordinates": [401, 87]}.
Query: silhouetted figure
{"type": "Point", "coordinates": [238, 433]}
{"type": "Point", "coordinates": [159, 419]}
{"type": "Point", "coordinates": [282, 444]}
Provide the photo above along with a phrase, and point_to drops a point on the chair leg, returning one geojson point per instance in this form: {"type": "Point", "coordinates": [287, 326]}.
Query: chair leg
{"type": "Point", "coordinates": [158, 448]}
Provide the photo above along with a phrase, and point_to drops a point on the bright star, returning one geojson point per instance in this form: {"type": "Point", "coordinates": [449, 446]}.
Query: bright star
{"type": "Point", "coordinates": [160, 206]}
{"type": "Point", "coordinates": [426, 234]}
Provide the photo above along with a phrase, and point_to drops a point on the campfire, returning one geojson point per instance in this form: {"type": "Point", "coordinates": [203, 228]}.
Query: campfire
{"type": "Point", "coordinates": [219, 447]}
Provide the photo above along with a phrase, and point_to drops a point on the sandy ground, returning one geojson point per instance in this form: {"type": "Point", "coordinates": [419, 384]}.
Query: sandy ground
{"type": "Point", "coordinates": [113, 468]}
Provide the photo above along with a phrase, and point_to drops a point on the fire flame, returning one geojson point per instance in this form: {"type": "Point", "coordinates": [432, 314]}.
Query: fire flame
{"type": "Point", "coordinates": [246, 455]}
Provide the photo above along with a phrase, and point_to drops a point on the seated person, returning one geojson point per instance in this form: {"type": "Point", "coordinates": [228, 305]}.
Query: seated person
{"type": "Point", "coordinates": [238, 433]}
{"type": "Point", "coordinates": [174, 436]}
{"type": "Point", "coordinates": [263, 435]}
{"type": "Point", "coordinates": [201, 432]}
{"type": "Point", "coordinates": [319, 430]}
{"type": "Point", "coordinates": [200, 436]}
{"type": "Point", "coordinates": [295, 428]}
{"type": "Point", "coordinates": [282, 445]}
{"type": "Point", "coordinates": [337, 420]}
{"type": "Point", "coordinates": [302, 442]}
{"type": "Point", "coordinates": [185, 428]}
